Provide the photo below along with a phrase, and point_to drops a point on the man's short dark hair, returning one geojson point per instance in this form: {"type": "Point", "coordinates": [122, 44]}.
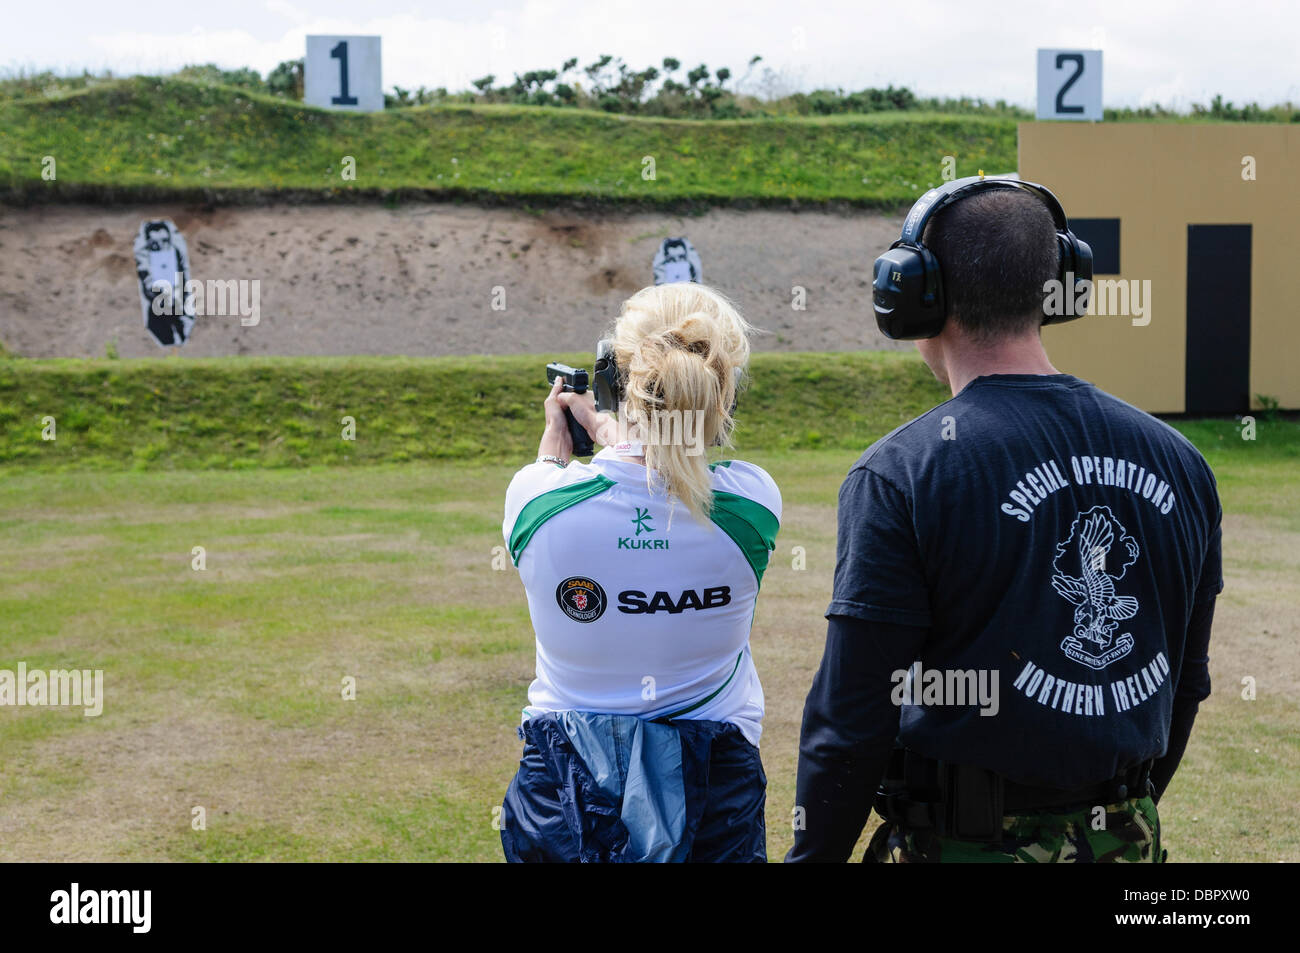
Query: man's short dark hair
{"type": "Point", "coordinates": [995, 250]}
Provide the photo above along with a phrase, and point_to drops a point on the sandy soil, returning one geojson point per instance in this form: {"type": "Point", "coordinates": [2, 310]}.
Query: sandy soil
{"type": "Point", "coordinates": [420, 280]}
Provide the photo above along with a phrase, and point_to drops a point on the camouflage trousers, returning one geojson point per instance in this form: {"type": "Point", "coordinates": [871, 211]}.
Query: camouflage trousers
{"type": "Point", "coordinates": [1130, 834]}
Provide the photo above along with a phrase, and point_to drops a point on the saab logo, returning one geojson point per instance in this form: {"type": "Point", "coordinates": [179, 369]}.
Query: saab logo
{"type": "Point", "coordinates": [581, 598]}
{"type": "Point", "coordinates": [640, 520]}
{"type": "Point", "coordinates": [634, 602]}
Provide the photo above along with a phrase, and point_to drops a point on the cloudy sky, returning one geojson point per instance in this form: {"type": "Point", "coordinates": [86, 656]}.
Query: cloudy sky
{"type": "Point", "coordinates": [1167, 51]}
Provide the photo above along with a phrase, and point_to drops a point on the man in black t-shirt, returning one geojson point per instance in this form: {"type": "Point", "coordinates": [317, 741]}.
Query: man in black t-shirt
{"type": "Point", "coordinates": [1024, 587]}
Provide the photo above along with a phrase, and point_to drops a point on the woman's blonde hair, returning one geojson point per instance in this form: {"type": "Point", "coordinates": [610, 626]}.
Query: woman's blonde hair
{"type": "Point", "coordinates": [679, 347]}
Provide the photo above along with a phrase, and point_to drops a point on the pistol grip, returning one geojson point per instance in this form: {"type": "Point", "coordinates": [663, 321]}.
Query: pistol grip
{"type": "Point", "coordinates": [582, 445]}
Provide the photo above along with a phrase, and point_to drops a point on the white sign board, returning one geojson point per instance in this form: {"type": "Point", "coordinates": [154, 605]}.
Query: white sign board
{"type": "Point", "coordinates": [343, 72]}
{"type": "Point", "coordinates": [1069, 84]}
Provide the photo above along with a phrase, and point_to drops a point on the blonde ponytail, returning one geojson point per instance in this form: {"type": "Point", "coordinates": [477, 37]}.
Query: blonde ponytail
{"type": "Point", "coordinates": [680, 345]}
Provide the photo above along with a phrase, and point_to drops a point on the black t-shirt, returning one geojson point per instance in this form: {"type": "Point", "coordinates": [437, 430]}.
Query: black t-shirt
{"type": "Point", "coordinates": [1052, 537]}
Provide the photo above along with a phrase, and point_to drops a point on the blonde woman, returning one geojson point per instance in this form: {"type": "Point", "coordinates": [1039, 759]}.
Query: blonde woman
{"type": "Point", "coordinates": [642, 569]}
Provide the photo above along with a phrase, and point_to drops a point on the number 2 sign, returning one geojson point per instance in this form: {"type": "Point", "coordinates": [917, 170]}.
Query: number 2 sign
{"type": "Point", "coordinates": [1069, 84]}
{"type": "Point", "coordinates": [343, 72]}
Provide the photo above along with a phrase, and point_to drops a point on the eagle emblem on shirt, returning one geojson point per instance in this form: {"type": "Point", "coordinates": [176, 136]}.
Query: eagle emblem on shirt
{"type": "Point", "coordinates": [1089, 563]}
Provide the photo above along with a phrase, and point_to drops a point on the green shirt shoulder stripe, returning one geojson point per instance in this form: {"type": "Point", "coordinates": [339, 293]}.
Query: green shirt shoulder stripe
{"type": "Point", "coordinates": [541, 508]}
{"type": "Point", "coordinates": [752, 526]}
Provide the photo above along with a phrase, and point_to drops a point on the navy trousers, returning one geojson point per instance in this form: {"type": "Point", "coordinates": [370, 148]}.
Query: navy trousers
{"type": "Point", "coordinates": [567, 805]}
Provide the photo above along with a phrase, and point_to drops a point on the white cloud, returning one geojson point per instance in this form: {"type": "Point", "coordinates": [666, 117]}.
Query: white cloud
{"type": "Point", "coordinates": [285, 9]}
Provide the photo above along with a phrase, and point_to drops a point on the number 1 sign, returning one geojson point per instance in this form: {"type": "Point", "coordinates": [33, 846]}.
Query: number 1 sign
{"type": "Point", "coordinates": [343, 72]}
{"type": "Point", "coordinates": [1069, 84]}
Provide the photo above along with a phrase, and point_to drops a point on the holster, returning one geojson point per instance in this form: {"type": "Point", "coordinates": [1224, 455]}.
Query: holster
{"type": "Point", "coordinates": [972, 806]}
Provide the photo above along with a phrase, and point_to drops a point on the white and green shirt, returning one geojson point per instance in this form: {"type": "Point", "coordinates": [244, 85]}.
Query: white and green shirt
{"type": "Point", "coordinates": [634, 615]}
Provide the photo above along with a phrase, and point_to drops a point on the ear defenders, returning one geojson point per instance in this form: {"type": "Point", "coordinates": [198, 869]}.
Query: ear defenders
{"type": "Point", "coordinates": [907, 286]}
{"type": "Point", "coordinates": [609, 385]}
{"type": "Point", "coordinates": [608, 381]}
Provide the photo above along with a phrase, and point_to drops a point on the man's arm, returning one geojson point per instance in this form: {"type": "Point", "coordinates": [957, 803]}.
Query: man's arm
{"type": "Point", "coordinates": [849, 726]}
{"type": "Point", "coordinates": [1193, 688]}
{"type": "Point", "coordinates": [1194, 676]}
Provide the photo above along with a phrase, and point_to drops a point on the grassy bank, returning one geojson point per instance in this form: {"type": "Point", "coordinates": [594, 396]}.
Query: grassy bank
{"type": "Point", "coordinates": [149, 139]}
{"type": "Point", "coordinates": [232, 413]}
{"type": "Point", "coordinates": [239, 413]}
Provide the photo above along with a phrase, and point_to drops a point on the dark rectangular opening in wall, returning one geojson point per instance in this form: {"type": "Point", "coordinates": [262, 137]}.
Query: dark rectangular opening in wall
{"type": "Point", "coordinates": [1102, 236]}
{"type": "Point", "coordinates": [1218, 319]}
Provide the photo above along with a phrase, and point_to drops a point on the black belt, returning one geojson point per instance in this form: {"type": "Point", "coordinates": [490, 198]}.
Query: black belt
{"type": "Point", "coordinates": [968, 802]}
{"type": "Point", "coordinates": [1134, 782]}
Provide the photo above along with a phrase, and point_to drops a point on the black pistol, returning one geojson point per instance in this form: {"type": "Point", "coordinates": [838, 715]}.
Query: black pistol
{"type": "Point", "coordinates": [575, 381]}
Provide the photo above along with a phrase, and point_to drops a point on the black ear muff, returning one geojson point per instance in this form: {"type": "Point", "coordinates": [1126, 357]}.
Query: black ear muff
{"type": "Point", "coordinates": [1075, 276]}
{"type": "Point", "coordinates": [907, 294]}
{"type": "Point", "coordinates": [608, 379]}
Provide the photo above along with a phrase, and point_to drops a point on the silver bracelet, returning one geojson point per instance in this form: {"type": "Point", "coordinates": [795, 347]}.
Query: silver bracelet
{"type": "Point", "coordinates": [547, 458]}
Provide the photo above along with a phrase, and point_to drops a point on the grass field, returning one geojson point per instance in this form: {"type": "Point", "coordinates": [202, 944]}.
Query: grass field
{"type": "Point", "coordinates": [143, 138]}
{"type": "Point", "coordinates": [224, 685]}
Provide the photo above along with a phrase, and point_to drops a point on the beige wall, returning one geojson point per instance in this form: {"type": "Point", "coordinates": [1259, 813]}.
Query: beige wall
{"type": "Point", "coordinates": [1158, 178]}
